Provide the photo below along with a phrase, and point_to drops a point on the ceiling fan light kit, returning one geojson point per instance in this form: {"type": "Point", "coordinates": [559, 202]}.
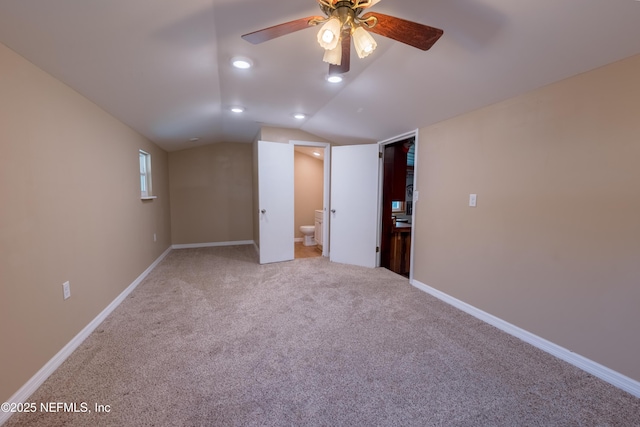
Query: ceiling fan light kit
{"type": "Point", "coordinates": [344, 21]}
{"type": "Point", "coordinates": [333, 56]}
{"type": "Point", "coordinates": [363, 42]}
{"type": "Point", "coordinates": [329, 34]}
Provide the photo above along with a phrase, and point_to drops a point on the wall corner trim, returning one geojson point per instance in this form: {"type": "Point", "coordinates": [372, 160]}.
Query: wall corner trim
{"type": "Point", "coordinates": [609, 375]}
{"type": "Point", "coordinates": [49, 368]}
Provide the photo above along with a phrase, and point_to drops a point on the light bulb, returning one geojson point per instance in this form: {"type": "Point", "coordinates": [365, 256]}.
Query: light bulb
{"type": "Point", "coordinates": [329, 34]}
{"type": "Point", "coordinates": [363, 42]}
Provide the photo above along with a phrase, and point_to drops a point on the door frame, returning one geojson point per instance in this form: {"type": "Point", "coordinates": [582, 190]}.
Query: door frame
{"type": "Point", "coordinates": [413, 133]}
{"type": "Point", "coordinates": [326, 147]}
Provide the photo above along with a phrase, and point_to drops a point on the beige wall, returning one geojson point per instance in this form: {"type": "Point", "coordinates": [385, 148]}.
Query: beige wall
{"type": "Point", "coordinates": [211, 194]}
{"type": "Point", "coordinates": [553, 245]}
{"type": "Point", "coordinates": [70, 210]}
{"type": "Point", "coordinates": [308, 189]}
{"type": "Point", "coordinates": [276, 134]}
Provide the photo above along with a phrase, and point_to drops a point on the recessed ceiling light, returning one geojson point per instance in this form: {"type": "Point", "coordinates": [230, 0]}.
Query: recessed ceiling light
{"type": "Point", "coordinates": [241, 62]}
{"type": "Point", "coordinates": [299, 116]}
{"type": "Point", "coordinates": [315, 153]}
{"type": "Point", "coordinates": [194, 139]}
{"type": "Point", "coordinates": [334, 79]}
{"type": "Point", "coordinates": [237, 109]}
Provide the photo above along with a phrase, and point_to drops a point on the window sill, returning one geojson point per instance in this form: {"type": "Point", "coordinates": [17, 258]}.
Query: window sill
{"type": "Point", "coordinates": [148, 197]}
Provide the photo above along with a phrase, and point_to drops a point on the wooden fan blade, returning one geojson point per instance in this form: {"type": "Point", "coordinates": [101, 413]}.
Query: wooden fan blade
{"type": "Point", "coordinates": [266, 34]}
{"type": "Point", "coordinates": [346, 55]}
{"type": "Point", "coordinates": [411, 33]}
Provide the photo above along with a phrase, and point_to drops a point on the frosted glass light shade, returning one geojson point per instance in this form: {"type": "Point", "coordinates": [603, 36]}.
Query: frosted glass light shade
{"type": "Point", "coordinates": [363, 42]}
{"type": "Point", "coordinates": [333, 56]}
{"type": "Point", "coordinates": [329, 34]}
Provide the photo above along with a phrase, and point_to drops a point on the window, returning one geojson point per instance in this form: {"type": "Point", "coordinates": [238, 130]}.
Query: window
{"type": "Point", "coordinates": [397, 206]}
{"type": "Point", "coordinates": [145, 175]}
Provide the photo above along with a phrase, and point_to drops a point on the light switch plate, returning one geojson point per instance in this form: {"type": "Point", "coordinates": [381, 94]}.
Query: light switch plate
{"type": "Point", "coordinates": [66, 290]}
{"type": "Point", "coordinates": [472, 200]}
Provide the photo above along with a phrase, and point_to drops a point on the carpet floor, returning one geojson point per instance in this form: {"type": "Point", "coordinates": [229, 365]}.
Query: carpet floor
{"type": "Point", "coordinates": [212, 338]}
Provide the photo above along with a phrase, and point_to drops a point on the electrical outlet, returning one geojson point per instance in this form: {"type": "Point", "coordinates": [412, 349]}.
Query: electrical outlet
{"type": "Point", "coordinates": [66, 290]}
{"type": "Point", "coordinates": [472, 200]}
{"type": "Point", "coordinates": [154, 237]}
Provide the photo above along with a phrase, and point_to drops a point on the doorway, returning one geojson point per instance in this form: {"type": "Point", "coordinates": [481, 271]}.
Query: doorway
{"type": "Point", "coordinates": [397, 205]}
{"type": "Point", "coordinates": [354, 215]}
{"type": "Point", "coordinates": [310, 189]}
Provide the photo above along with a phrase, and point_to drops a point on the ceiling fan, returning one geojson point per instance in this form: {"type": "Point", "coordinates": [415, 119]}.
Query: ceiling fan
{"type": "Point", "coordinates": [344, 21]}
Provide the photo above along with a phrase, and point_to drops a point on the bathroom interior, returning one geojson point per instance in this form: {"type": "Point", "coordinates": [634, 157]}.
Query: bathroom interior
{"type": "Point", "coordinates": [308, 205]}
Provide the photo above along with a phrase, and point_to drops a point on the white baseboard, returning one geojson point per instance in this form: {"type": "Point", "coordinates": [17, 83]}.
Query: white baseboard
{"type": "Point", "coordinates": [298, 239]}
{"type": "Point", "coordinates": [49, 368]}
{"type": "Point", "coordinates": [212, 244]}
{"type": "Point", "coordinates": [609, 375]}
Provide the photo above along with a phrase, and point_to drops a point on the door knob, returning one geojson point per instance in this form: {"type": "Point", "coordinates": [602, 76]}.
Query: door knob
{"type": "Point", "coordinates": [264, 211]}
{"type": "Point", "coordinates": [333, 211]}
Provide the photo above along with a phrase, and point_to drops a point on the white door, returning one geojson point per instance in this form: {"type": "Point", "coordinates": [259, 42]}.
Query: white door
{"type": "Point", "coordinates": [354, 204]}
{"type": "Point", "coordinates": [275, 201]}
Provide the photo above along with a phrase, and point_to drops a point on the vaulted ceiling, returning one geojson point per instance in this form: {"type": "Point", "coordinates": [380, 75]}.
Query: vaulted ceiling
{"type": "Point", "coordinates": [163, 67]}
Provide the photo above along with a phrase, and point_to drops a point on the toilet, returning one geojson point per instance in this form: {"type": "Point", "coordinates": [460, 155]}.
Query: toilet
{"type": "Point", "coordinates": [308, 231]}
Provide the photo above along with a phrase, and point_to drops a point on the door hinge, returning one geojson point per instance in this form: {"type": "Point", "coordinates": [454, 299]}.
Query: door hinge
{"type": "Point", "coordinates": [377, 249]}
{"type": "Point", "coordinates": [379, 154]}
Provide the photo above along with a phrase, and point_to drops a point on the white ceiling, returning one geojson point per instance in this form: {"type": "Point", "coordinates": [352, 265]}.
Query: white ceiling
{"type": "Point", "coordinates": [163, 67]}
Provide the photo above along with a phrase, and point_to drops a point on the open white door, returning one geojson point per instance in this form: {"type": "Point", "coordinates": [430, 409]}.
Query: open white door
{"type": "Point", "coordinates": [275, 201]}
{"type": "Point", "coordinates": [354, 204]}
